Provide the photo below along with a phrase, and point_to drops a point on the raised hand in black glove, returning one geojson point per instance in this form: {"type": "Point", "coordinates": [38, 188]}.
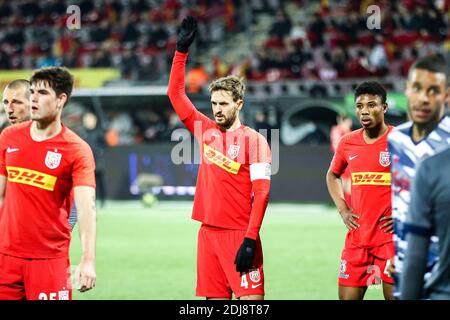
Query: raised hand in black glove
{"type": "Point", "coordinates": [245, 255]}
{"type": "Point", "coordinates": [186, 34]}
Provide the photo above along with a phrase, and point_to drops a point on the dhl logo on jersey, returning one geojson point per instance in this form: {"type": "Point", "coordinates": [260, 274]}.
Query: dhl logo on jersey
{"type": "Point", "coordinates": [371, 178]}
{"type": "Point", "coordinates": [31, 177]}
{"type": "Point", "coordinates": [221, 160]}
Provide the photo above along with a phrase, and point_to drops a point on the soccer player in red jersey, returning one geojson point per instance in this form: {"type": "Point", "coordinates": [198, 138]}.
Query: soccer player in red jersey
{"type": "Point", "coordinates": [369, 243]}
{"type": "Point", "coordinates": [16, 101]}
{"type": "Point", "coordinates": [40, 162]}
{"type": "Point", "coordinates": [232, 186]}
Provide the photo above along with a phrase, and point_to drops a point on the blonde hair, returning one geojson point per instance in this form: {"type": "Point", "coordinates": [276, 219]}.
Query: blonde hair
{"type": "Point", "coordinates": [232, 84]}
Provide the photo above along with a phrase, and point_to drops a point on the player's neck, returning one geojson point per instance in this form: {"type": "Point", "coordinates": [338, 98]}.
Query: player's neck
{"type": "Point", "coordinates": [41, 130]}
{"type": "Point", "coordinates": [420, 130]}
{"type": "Point", "coordinates": [373, 134]}
{"type": "Point", "coordinates": [237, 124]}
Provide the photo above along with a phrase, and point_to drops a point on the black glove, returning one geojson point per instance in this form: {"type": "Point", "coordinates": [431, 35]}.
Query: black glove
{"type": "Point", "coordinates": [186, 34]}
{"type": "Point", "coordinates": [245, 255]}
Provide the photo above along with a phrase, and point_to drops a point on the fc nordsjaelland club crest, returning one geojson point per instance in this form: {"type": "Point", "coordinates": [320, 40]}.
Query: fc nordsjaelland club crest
{"type": "Point", "coordinates": [255, 276]}
{"type": "Point", "coordinates": [384, 159]}
{"type": "Point", "coordinates": [233, 151]}
{"type": "Point", "coordinates": [53, 159]}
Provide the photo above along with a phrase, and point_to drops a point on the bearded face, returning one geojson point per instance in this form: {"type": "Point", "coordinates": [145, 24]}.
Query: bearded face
{"type": "Point", "coordinates": [224, 108]}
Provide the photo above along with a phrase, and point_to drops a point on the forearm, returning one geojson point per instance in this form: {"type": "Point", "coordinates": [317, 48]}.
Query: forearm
{"type": "Point", "coordinates": [414, 267]}
{"type": "Point", "coordinates": [336, 191]}
{"type": "Point", "coordinates": [87, 224]}
{"type": "Point", "coordinates": [261, 190]}
{"type": "Point", "coordinates": [87, 230]}
{"type": "Point", "coordinates": [176, 88]}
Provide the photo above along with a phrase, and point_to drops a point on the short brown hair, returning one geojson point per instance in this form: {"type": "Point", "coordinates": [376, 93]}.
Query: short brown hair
{"type": "Point", "coordinates": [20, 83]}
{"type": "Point", "coordinates": [232, 84]}
{"type": "Point", "coordinates": [58, 78]}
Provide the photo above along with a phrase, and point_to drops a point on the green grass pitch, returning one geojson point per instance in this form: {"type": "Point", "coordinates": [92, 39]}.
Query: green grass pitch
{"type": "Point", "coordinates": [150, 253]}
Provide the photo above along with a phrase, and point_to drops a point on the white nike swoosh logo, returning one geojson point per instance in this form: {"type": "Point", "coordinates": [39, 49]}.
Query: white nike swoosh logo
{"type": "Point", "coordinates": [256, 285]}
{"type": "Point", "coordinates": [9, 150]}
{"type": "Point", "coordinates": [215, 134]}
{"type": "Point", "coordinates": [352, 157]}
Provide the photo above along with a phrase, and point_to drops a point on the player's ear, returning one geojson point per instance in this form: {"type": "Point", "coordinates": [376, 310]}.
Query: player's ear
{"type": "Point", "coordinates": [240, 104]}
{"type": "Point", "coordinates": [62, 99]}
{"type": "Point", "coordinates": [385, 107]}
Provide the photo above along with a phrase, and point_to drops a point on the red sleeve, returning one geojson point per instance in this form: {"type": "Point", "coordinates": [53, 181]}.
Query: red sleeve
{"type": "Point", "coordinates": [339, 162]}
{"type": "Point", "coordinates": [83, 172]}
{"type": "Point", "coordinates": [259, 150]}
{"type": "Point", "coordinates": [260, 189]}
{"type": "Point", "coordinates": [195, 121]}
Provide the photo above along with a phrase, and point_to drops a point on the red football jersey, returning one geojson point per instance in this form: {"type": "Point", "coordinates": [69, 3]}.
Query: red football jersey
{"type": "Point", "coordinates": [40, 176]}
{"type": "Point", "coordinates": [369, 165]}
{"type": "Point", "coordinates": [223, 196]}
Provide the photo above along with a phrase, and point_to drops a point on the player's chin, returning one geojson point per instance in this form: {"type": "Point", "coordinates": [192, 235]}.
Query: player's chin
{"type": "Point", "coordinates": [223, 124]}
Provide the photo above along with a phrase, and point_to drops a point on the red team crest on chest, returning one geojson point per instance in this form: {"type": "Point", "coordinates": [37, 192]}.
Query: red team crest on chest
{"type": "Point", "coordinates": [53, 159]}
{"type": "Point", "coordinates": [255, 276]}
{"type": "Point", "coordinates": [384, 158]}
{"type": "Point", "coordinates": [233, 151]}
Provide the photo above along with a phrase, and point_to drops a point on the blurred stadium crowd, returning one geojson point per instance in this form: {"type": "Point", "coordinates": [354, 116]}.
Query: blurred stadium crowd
{"type": "Point", "coordinates": [289, 39]}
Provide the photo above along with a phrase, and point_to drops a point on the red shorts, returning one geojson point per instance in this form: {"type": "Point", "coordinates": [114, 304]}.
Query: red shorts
{"type": "Point", "coordinates": [35, 279]}
{"type": "Point", "coordinates": [361, 267]}
{"type": "Point", "coordinates": [216, 272]}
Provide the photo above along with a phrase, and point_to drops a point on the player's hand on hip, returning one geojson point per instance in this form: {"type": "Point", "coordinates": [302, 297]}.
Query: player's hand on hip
{"type": "Point", "coordinates": [349, 218]}
{"type": "Point", "coordinates": [388, 226]}
{"type": "Point", "coordinates": [186, 34]}
{"type": "Point", "coordinates": [85, 276]}
{"type": "Point", "coordinates": [245, 255]}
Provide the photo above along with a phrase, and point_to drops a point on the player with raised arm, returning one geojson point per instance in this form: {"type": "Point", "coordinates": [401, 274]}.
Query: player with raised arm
{"type": "Point", "coordinates": [40, 162]}
{"type": "Point", "coordinates": [368, 244]}
{"type": "Point", "coordinates": [233, 183]}
{"type": "Point", "coordinates": [427, 132]}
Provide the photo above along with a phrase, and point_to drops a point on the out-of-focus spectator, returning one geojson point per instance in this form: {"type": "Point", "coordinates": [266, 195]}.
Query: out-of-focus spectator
{"type": "Point", "coordinates": [263, 126]}
{"type": "Point", "coordinates": [101, 59]}
{"type": "Point", "coordinates": [359, 66]}
{"type": "Point", "coordinates": [100, 33]}
{"type": "Point", "coordinates": [196, 78]}
{"type": "Point", "coordinates": [418, 21]}
{"type": "Point", "coordinates": [130, 64]}
{"type": "Point", "coordinates": [339, 58]}
{"type": "Point", "coordinates": [435, 24]}
{"type": "Point", "coordinates": [159, 35]}
{"type": "Point", "coordinates": [352, 25]}
{"type": "Point", "coordinates": [151, 124]}
{"type": "Point", "coordinates": [94, 134]}
{"type": "Point", "coordinates": [378, 58]}
{"type": "Point", "coordinates": [121, 130]}
{"type": "Point", "coordinates": [282, 26]}
{"type": "Point", "coordinates": [48, 60]}
{"type": "Point", "coordinates": [4, 61]}
{"type": "Point", "coordinates": [316, 30]}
